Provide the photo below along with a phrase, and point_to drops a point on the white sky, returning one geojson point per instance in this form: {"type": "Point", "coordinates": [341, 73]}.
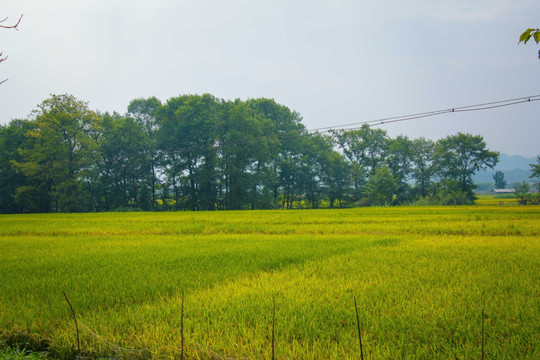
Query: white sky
{"type": "Point", "coordinates": [335, 62]}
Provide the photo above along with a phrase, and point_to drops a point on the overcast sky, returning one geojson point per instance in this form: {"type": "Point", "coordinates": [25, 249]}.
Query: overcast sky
{"type": "Point", "coordinates": [335, 62]}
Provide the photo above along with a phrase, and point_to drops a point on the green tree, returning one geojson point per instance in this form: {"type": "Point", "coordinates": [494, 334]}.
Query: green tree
{"type": "Point", "coordinates": [449, 192]}
{"type": "Point", "coordinates": [122, 163]}
{"type": "Point", "coordinates": [500, 182]}
{"type": "Point", "coordinates": [60, 153]}
{"type": "Point", "coordinates": [399, 161]}
{"type": "Point", "coordinates": [365, 149]}
{"type": "Point", "coordinates": [171, 145]}
{"type": "Point", "coordinates": [13, 140]}
{"type": "Point", "coordinates": [314, 148]}
{"type": "Point", "coordinates": [528, 34]}
{"type": "Point", "coordinates": [535, 168]}
{"type": "Point", "coordinates": [381, 187]}
{"type": "Point", "coordinates": [522, 192]}
{"type": "Point", "coordinates": [187, 136]}
{"type": "Point", "coordinates": [144, 112]}
{"type": "Point", "coordinates": [423, 167]}
{"type": "Point", "coordinates": [336, 177]}
{"type": "Point", "coordinates": [460, 156]}
{"type": "Point", "coordinates": [289, 179]}
{"type": "Point", "coordinates": [242, 151]}
{"type": "Point", "coordinates": [283, 130]}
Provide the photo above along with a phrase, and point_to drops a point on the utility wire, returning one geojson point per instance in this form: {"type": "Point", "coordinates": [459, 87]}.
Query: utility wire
{"type": "Point", "coordinates": [468, 108]}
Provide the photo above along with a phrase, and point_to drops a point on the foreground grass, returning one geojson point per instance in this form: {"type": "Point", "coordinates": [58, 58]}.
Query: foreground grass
{"type": "Point", "coordinates": [7, 353]}
{"type": "Point", "coordinates": [421, 277]}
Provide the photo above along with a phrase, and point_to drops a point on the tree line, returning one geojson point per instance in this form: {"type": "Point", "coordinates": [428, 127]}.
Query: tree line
{"type": "Point", "coordinates": [198, 152]}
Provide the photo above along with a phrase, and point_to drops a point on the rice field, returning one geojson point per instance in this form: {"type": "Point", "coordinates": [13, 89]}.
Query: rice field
{"type": "Point", "coordinates": [506, 199]}
{"type": "Point", "coordinates": [421, 277]}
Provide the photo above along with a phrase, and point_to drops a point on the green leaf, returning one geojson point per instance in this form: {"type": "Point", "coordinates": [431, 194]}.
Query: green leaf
{"type": "Point", "coordinates": [525, 36]}
{"type": "Point", "coordinates": [537, 36]}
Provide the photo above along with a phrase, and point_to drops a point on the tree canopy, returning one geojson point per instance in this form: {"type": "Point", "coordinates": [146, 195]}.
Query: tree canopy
{"type": "Point", "coordinates": [500, 182]}
{"type": "Point", "coordinates": [199, 152]}
{"type": "Point", "coordinates": [460, 156]}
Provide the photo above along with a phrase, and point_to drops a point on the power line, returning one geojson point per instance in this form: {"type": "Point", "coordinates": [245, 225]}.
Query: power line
{"type": "Point", "coordinates": [467, 108]}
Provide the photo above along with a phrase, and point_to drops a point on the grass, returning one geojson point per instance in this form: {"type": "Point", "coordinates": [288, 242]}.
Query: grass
{"type": "Point", "coordinates": [503, 199]}
{"type": "Point", "coordinates": [421, 276]}
{"type": "Point", "coordinates": [8, 353]}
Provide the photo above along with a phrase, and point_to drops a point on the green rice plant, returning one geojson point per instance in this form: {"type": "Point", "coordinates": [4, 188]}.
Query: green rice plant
{"type": "Point", "coordinates": [421, 277]}
{"type": "Point", "coordinates": [501, 199]}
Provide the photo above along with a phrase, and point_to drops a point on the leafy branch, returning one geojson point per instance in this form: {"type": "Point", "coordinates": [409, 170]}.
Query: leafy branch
{"type": "Point", "coordinates": [528, 34]}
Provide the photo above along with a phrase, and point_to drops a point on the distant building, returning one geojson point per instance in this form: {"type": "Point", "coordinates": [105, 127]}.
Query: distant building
{"type": "Point", "coordinates": [503, 191]}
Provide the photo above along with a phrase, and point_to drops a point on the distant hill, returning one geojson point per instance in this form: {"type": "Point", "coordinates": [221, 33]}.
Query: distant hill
{"type": "Point", "coordinates": [515, 168]}
{"type": "Point", "coordinates": [512, 162]}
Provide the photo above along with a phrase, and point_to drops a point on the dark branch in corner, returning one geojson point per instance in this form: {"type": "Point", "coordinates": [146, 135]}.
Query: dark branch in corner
{"type": "Point", "coordinates": [2, 59]}
{"type": "Point", "coordinates": [2, 26]}
{"type": "Point", "coordinates": [11, 26]}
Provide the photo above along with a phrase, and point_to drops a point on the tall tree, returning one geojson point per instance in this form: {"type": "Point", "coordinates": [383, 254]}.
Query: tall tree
{"type": "Point", "coordinates": [187, 137]}
{"type": "Point", "coordinates": [144, 112]}
{"type": "Point", "coordinates": [315, 148]}
{"type": "Point", "coordinates": [13, 140]}
{"type": "Point", "coordinates": [460, 156]}
{"type": "Point", "coordinates": [61, 147]}
{"type": "Point", "coordinates": [242, 148]}
{"type": "Point", "coordinates": [123, 165]}
{"type": "Point", "coordinates": [381, 187]}
{"type": "Point", "coordinates": [500, 182]}
{"type": "Point", "coordinates": [366, 150]}
{"type": "Point", "coordinates": [399, 160]}
{"type": "Point", "coordinates": [535, 168]}
{"type": "Point", "coordinates": [423, 167]}
{"type": "Point", "coordinates": [282, 132]}
{"type": "Point", "coordinates": [522, 192]}
{"type": "Point", "coordinates": [335, 176]}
